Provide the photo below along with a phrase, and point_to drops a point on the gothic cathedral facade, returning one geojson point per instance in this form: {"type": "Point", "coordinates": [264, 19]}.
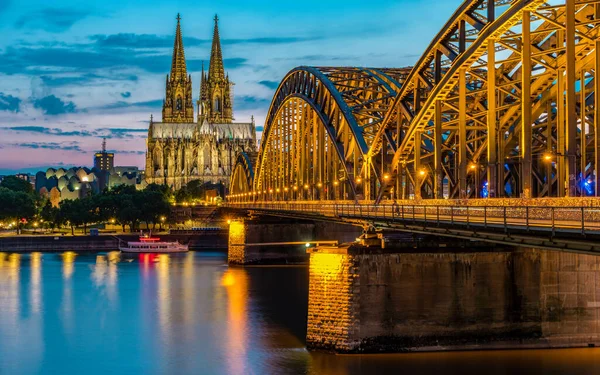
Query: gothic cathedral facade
{"type": "Point", "coordinates": [180, 148]}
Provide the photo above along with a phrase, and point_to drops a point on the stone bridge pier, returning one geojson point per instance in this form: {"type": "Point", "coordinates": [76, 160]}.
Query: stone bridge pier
{"type": "Point", "coordinates": [260, 240]}
{"type": "Point", "coordinates": [377, 300]}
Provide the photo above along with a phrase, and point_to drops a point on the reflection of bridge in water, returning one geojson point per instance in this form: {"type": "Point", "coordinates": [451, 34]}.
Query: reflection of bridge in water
{"type": "Point", "coordinates": [493, 135]}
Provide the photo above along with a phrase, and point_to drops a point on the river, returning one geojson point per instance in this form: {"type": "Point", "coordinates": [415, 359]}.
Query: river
{"type": "Point", "coordinates": [89, 314]}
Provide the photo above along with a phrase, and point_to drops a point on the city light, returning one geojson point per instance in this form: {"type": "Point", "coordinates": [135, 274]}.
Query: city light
{"type": "Point", "coordinates": [386, 177]}
{"type": "Point", "coordinates": [305, 187]}
{"type": "Point", "coordinates": [422, 172]}
{"type": "Point", "coordinates": [358, 180]}
{"type": "Point", "coordinates": [472, 166]}
{"type": "Point", "coordinates": [547, 157]}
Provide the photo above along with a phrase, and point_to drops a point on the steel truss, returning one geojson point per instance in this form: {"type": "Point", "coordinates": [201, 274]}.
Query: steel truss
{"type": "Point", "coordinates": [320, 126]}
{"type": "Point", "coordinates": [448, 127]}
{"type": "Point", "coordinates": [242, 177]}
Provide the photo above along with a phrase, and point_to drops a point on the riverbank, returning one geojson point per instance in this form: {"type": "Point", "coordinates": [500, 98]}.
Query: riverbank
{"type": "Point", "coordinates": [22, 244]}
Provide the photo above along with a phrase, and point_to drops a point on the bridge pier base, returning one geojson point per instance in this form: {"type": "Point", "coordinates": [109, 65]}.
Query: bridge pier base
{"type": "Point", "coordinates": [374, 300]}
{"type": "Point", "coordinates": [247, 235]}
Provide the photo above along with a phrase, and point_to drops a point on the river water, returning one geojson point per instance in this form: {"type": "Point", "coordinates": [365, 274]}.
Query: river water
{"type": "Point", "coordinates": [190, 314]}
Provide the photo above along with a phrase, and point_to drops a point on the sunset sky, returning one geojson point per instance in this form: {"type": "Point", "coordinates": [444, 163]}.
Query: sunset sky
{"type": "Point", "coordinates": [72, 72]}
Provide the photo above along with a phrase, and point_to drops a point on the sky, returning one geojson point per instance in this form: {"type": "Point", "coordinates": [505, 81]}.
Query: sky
{"type": "Point", "coordinates": [73, 72]}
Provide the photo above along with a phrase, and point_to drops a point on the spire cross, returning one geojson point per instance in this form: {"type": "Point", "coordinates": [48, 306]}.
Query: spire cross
{"type": "Point", "coordinates": [178, 17]}
{"type": "Point", "coordinates": [216, 18]}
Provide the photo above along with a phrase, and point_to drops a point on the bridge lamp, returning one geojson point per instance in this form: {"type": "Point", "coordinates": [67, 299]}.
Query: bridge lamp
{"type": "Point", "coordinates": [229, 221]}
{"type": "Point", "coordinates": [295, 188]}
{"type": "Point", "coordinates": [422, 172]}
{"type": "Point", "coordinates": [285, 189]}
{"type": "Point", "coordinates": [472, 166]}
{"type": "Point", "coordinates": [305, 187]}
{"type": "Point", "coordinates": [335, 183]}
{"type": "Point", "coordinates": [307, 245]}
{"type": "Point", "coordinates": [277, 190]}
{"type": "Point", "coordinates": [548, 157]}
{"type": "Point", "coordinates": [270, 190]}
{"type": "Point", "coordinates": [319, 185]}
{"type": "Point", "coordinates": [358, 180]}
{"type": "Point", "coordinates": [386, 177]}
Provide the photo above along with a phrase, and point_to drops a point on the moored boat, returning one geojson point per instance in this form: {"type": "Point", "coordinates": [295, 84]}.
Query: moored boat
{"type": "Point", "coordinates": [153, 245]}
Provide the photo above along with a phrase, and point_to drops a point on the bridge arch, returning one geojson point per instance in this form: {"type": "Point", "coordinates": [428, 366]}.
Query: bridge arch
{"type": "Point", "coordinates": [526, 130]}
{"type": "Point", "coordinates": [242, 177]}
{"type": "Point", "coordinates": [319, 129]}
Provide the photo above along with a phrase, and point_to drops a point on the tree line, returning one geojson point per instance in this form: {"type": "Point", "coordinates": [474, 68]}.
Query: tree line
{"type": "Point", "coordinates": [21, 206]}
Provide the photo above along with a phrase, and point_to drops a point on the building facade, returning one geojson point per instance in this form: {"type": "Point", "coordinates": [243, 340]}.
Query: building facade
{"type": "Point", "coordinates": [182, 148]}
{"type": "Point", "coordinates": [104, 161]}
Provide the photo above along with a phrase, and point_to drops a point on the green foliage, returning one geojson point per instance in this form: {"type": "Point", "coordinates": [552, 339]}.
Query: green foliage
{"type": "Point", "coordinates": [122, 204]}
{"type": "Point", "coordinates": [16, 184]}
{"type": "Point", "coordinates": [16, 205]}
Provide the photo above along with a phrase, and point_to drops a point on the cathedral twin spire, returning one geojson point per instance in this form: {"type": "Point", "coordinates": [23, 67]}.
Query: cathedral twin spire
{"type": "Point", "coordinates": [178, 106]}
{"type": "Point", "coordinates": [214, 104]}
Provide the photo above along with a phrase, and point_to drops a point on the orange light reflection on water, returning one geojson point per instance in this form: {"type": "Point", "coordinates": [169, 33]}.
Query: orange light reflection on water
{"type": "Point", "coordinates": [235, 281]}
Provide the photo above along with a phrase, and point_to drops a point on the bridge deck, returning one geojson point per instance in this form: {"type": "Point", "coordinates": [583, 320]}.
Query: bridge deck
{"type": "Point", "coordinates": [575, 228]}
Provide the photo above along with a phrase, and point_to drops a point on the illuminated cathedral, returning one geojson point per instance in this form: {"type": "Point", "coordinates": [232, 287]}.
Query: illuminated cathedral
{"type": "Point", "coordinates": [180, 148]}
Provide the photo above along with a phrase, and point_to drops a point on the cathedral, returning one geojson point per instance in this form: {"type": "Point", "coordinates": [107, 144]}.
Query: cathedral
{"type": "Point", "coordinates": [180, 148]}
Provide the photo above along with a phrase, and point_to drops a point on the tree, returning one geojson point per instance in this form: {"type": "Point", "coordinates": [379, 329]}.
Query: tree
{"type": "Point", "coordinates": [50, 215]}
{"type": "Point", "coordinates": [16, 184]}
{"type": "Point", "coordinates": [16, 206]}
{"type": "Point", "coordinates": [153, 205]}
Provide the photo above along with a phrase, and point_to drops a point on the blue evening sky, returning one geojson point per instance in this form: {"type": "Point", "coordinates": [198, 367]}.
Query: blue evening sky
{"type": "Point", "coordinates": [72, 72]}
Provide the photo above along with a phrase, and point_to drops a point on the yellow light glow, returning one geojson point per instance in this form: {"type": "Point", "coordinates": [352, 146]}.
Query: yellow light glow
{"type": "Point", "coordinates": [472, 166]}
{"type": "Point", "coordinates": [305, 186]}
{"type": "Point", "coordinates": [386, 177]}
{"type": "Point", "coordinates": [335, 183]}
{"type": "Point", "coordinates": [358, 180]}
{"type": "Point", "coordinates": [319, 184]}
{"type": "Point", "coordinates": [295, 188]}
{"type": "Point", "coordinates": [547, 157]}
{"type": "Point", "coordinates": [422, 172]}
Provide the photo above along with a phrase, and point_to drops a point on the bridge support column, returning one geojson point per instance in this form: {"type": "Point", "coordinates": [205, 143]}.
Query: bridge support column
{"type": "Point", "coordinates": [266, 241]}
{"type": "Point", "coordinates": [373, 300]}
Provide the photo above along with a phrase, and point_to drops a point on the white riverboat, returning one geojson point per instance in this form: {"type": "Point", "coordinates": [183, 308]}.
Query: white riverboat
{"type": "Point", "coordinates": [153, 245]}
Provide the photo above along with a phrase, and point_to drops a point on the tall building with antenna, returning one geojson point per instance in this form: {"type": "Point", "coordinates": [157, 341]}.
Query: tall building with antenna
{"type": "Point", "coordinates": [104, 161]}
{"type": "Point", "coordinates": [183, 148]}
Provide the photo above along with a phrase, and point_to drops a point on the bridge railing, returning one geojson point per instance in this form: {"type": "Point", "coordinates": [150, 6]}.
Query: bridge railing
{"type": "Point", "coordinates": [574, 219]}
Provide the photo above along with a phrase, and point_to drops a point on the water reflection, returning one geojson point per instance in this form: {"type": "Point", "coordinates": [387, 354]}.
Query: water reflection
{"type": "Point", "coordinates": [235, 280]}
{"type": "Point", "coordinates": [191, 314]}
{"type": "Point", "coordinates": [35, 288]}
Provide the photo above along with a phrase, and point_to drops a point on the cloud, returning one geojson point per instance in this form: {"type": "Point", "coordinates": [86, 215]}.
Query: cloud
{"type": "Point", "coordinates": [65, 146]}
{"type": "Point", "coordinates": [273, 85]}
{"type": "Point", "coordinates": [251, 102]}
{"type": "Point", "coordinates": [60, 80]}
{"type": "Point", "coordinates": [151, 41]}
{"type": "Point", "coordinates": [121, 132]}
{"type": "Point", "coordinates": [51, 131]}
{"type": "Point", "coordinates": [51, 105]}
{"type": "Point", "coordinates": [9, 103]}
{"type": "Point", "coordinates": [45, 60]}
{"type": "Point", "coordinates": [51, 19]}
{"type": "Point", "coordinates": [126, 94]}
{"type": "Point", "coordinates": [102, 132]}
{"type": "Point", "coordinates": [157, 103]}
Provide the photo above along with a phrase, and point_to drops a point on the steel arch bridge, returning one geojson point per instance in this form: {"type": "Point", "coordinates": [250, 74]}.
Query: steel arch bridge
{"type": "Point", "coordinates": [501, 104]}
